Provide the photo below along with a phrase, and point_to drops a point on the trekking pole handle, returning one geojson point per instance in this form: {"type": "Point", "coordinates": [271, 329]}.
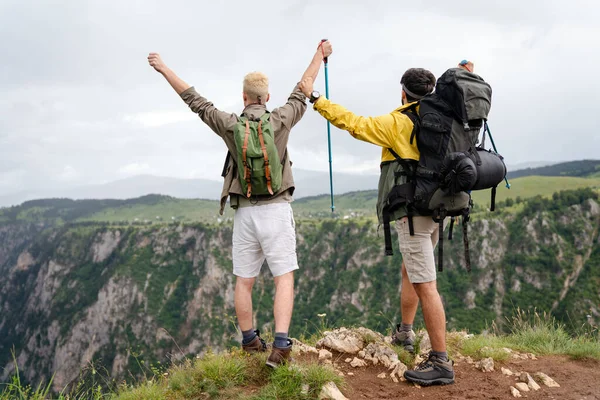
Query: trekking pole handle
{"type": "Point", "coordinates": [324, 58]}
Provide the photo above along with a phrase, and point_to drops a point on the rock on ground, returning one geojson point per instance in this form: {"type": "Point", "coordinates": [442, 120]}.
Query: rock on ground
{"type": "Point", "coordinates": [546, 380]}
{"type": "Point", "coordinates": [379, 353]}
{"type": "Point", "coordinates": [381, 375]}
{"type": "Point", "coordinates": [425, 343]}
{"type": "Point", "coordinates": [357, 362]}
{"type": "Point", "coordinates": [486, 365]}
{"type": "Point", "coordinates": [522, 386]}
{"type": "Point", "coordinates": [303, 348]}
{"type": "Point", "coordinates": [325, 355]}
{"type": "Point", "coordinates": [398, 370]}
{"type": "Point", "coordinates": [515, 392]}
{"type": "Point", "coordinates": [331, 392]}
{"type": "Point", "coordinates": [506, 371]}
{"type": "Point", "coordinates": [348, 341]}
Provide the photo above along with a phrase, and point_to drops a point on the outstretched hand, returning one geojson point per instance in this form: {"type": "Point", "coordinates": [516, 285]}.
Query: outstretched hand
{"type": "Point", "coordinates": [306, 85]}
{"type": "Point", "coordinates": [156, 62]}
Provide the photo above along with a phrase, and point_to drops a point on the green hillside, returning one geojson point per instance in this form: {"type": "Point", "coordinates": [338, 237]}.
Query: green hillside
{"type": "Point", "coordinates": [581, 168]}
{"type": "Point", "coordinates": [160, 209]}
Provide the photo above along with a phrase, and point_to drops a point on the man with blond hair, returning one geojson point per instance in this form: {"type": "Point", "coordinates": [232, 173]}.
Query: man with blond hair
{"type": "Point", "coordinates": [264, 227]}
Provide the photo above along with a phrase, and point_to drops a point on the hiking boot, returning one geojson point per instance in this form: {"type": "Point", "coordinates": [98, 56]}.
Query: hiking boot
{"type": "Point", "coordinates": [406, 339]}
{"type": "Point", "coordinates": [257, 345]}
{"type": "Point", "coordinates": [280, 356]}
{"type": "Point", "coordinates": [432, 371]}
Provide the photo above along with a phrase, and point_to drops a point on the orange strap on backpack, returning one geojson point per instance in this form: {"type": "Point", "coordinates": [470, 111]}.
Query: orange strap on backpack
{"type": "Point", "coordinates": [247, 172]}
{"type": "Point", "coordinates": [266, 157]}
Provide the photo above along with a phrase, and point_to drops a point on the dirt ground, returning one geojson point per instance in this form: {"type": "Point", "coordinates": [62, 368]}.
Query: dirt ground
{"type": "Point", "coordinates": [578, 380]}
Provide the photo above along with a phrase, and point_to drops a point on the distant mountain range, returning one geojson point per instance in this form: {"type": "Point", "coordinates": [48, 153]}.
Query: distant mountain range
{"type": "Point", "coordinates": [308, 183]}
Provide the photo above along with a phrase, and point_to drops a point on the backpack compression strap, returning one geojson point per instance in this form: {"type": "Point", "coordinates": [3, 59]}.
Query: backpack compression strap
{"type": "Point", "coordinates": [438, 216]}
{"type": "Point", "coordinates": [400, 195]}
{"type": "Point", "coordinates": [247, 172]}
{"type": "Point", "coordinates": [266, 157]}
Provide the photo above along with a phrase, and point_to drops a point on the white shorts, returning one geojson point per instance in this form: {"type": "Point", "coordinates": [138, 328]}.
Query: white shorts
{"type": "Point", "coordinates": [265, 232]}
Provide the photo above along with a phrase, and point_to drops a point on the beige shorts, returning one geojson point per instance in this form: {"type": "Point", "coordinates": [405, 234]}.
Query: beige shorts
{"type": "Point", "coordinates": [264, 232]}
{"type": "Point", "coordinates": [417, 250]}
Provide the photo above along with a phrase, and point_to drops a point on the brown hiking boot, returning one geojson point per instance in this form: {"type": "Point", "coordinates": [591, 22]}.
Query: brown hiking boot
{"type": "Point", "coordinates": [280, 356]}
{"type": "Point", "coordinates": [257, 345]}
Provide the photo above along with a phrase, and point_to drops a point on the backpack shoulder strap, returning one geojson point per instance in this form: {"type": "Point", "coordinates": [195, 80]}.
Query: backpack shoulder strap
{"type": "Point", "coordinates": [265, 156]}
{"type": "Point", "coordinates": [413, 115]}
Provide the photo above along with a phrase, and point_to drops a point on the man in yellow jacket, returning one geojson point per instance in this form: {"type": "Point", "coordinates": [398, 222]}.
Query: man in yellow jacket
{"type": "Point", "coordinates": [394, 133]}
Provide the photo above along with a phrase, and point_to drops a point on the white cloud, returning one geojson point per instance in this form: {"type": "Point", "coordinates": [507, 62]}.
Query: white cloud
{"type": "Point", "coordinates": [68, 174]}
{"type": "Point", "coordinates": [135, 169]}
{"type": "Point", "coordinates": [159, 118]}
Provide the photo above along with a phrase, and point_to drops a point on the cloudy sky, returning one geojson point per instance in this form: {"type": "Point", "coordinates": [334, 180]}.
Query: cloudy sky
{"type": "Point", "coordinates": [79, 104]}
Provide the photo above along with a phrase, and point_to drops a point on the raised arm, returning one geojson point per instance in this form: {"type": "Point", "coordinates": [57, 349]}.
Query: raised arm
{"type": "Point", "coordinates": [216, 120]}
{"type": "Point", "coordinates": [178, 84]}
{"type": "Point", "coordinates": [295, 107]}
{"type": "Point", "coordinates": [324, 50]}
{"type": "Point", "coordinates": [382, 130]}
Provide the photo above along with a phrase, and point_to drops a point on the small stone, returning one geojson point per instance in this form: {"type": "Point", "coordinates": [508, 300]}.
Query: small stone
{"type": "Point", "coordinates": [522, 376]}
{"type": "Point", "coordinates": [486, 364]}
{"type": "Point", "coordinates": [425, 343]}
{"type": "Point", "coordinates": [417, 385]}
{"type": "Point", "coordinates": [398, 370]}
{"type": "Point", "coordinates": [507, 350]}
{"type": "Point", "coordinates": [357, 362]}
{"type": "Point", "coordinates": [340, 373]}
{"type": "Point", "coordinates": [331, 392]}
{"type": "Point", "coordinates": [303, 348]}
{"type": "Point", "coordinates": [531, 356]}
{"type": "Point", "coordinates": [305, 389]}
{"type": "Point", "coordinates": [394, 379]}
{"type": "Point", "coordinates": [546, 380]}
{"type": "Point", "coordinates": [382, 375]}
{"type": "Point", "coordinates": [327, 362]}
{"type": "Point", "coordinates": [350, 373]}
{"type": "Point", "coordinates": [325, 355]}
{"type": "Point", "coordinates": [468, 359]}
{"type": "Point", "coordinates": [506, 371]}
{"type": "Point", "coordinates": [348, 359]}
{"type": "Point", "coordinates": [522, 386]}
{"type": "Point", "coordinates": [533, 385]}
{"type": "Point", "coordinates": [515, 392]}
{"type": "Point", "coordinates": [361, 354]}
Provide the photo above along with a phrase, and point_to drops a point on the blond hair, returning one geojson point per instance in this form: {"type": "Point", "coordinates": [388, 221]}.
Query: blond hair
{"type": "Point", "coordinates": [256, 86]}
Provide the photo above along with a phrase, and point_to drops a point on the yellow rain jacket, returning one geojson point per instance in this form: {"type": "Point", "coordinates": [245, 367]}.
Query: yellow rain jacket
{"type": "Point", "coordinates": [389, 131]}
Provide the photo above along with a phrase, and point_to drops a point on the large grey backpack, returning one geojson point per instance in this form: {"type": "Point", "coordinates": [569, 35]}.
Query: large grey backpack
{"type": "Point", "coordinates": [451, 165]}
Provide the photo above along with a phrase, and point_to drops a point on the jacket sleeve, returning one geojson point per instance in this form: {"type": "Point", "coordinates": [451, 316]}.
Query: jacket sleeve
{"type": "Point", "coordinates": [293, 110]}
{"type": "Point", "coordinates": [382, 131]}
{"type": "Point", "coordinates": [217, 120]}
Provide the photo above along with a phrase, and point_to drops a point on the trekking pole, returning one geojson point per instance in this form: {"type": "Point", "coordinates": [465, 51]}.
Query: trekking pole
{"type": "Point", "coordinates": [487, 128]}
{"type": "Point", "coordinates": [328, 132]}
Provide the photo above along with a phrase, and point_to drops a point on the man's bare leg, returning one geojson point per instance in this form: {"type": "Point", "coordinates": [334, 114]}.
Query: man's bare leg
{"type": "Point", "coordinates": [409, 301]}
{"type": "Point", "coordinates": [243, 302]}
{"type": "Point", "coordinates": [433, 312]}
{"type": "Point", "coordinates": [284, 301]}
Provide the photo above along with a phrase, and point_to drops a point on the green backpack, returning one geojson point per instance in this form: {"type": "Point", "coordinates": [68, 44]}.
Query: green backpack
{"type": "Point", "coordinates": [259, 166]}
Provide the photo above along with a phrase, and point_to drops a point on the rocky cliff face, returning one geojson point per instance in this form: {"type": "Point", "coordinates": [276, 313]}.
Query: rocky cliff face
{"type": "Point", "coordinates": [124, 296]}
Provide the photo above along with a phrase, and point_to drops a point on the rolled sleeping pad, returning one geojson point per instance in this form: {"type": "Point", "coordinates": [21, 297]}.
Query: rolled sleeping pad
{"type": "Point", "coordinates": [459, 173]}
{"type": "Point", "coordinates": [491, 171]}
